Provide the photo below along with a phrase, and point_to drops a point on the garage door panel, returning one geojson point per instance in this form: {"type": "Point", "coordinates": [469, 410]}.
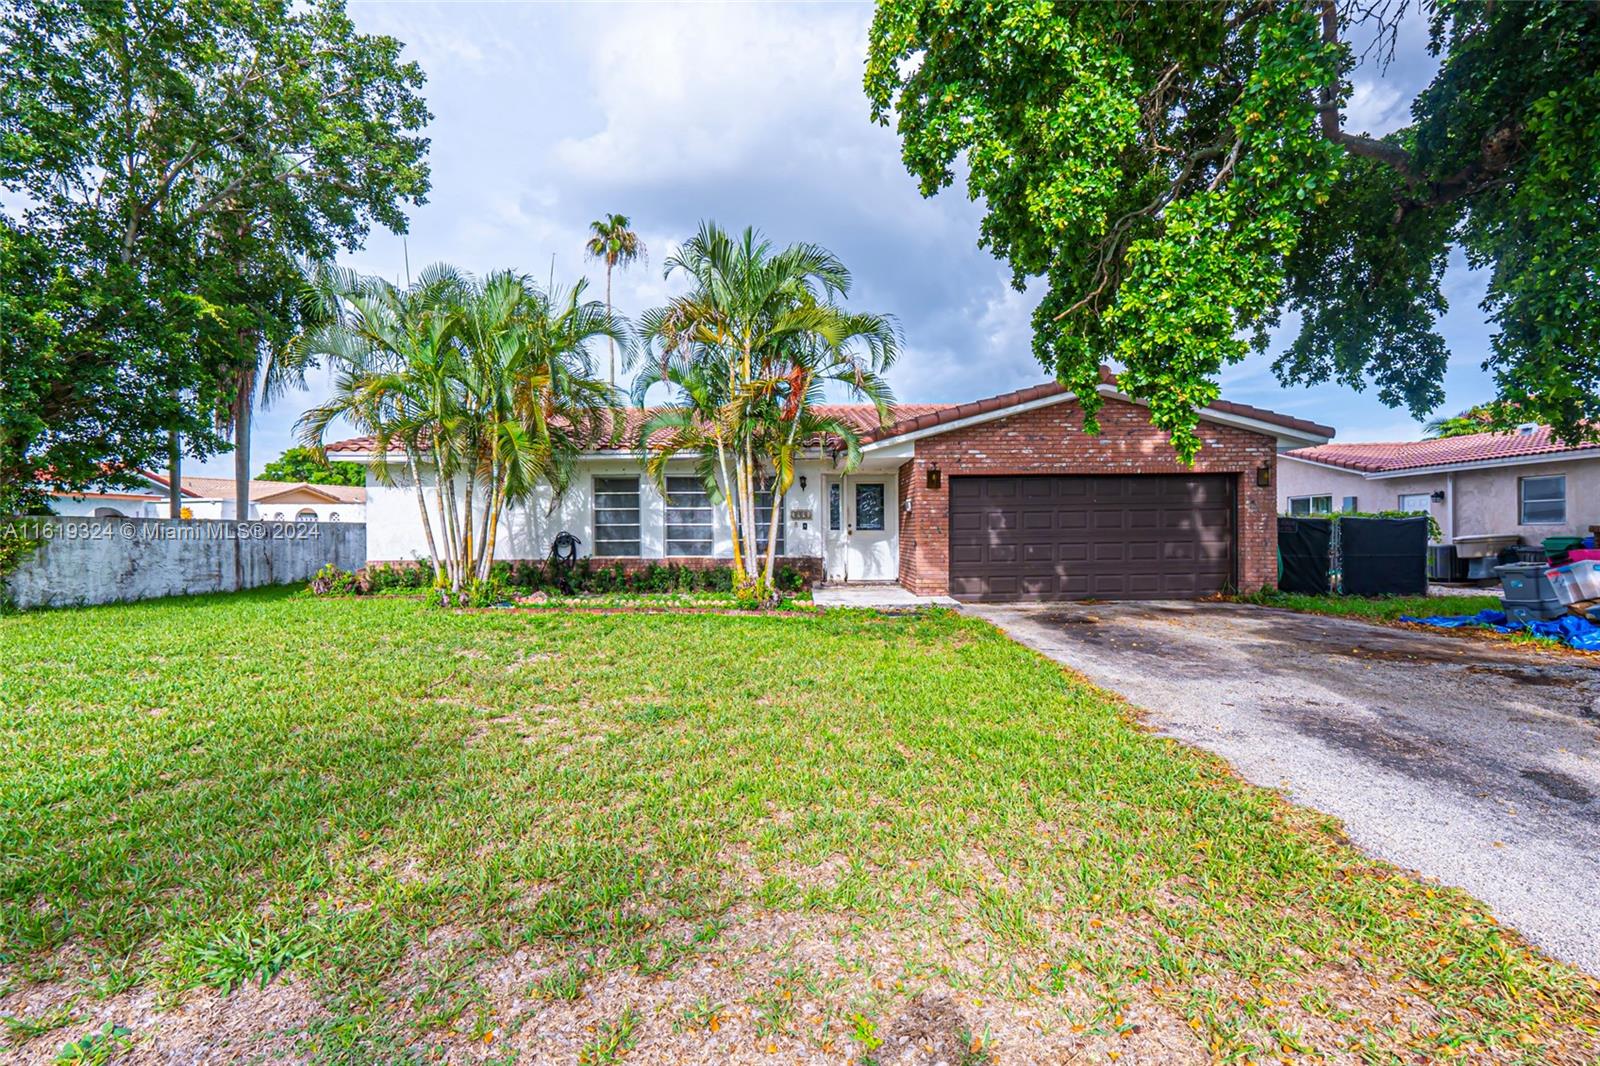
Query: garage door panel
{"type": "Point", "coordinates": [1076, 537]}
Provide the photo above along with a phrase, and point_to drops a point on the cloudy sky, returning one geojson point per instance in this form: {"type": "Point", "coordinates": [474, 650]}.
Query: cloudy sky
{"type": "Point", "coordinates": [549, 115]}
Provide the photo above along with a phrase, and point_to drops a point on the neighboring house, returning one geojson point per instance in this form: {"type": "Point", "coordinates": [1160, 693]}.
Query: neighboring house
{"type": "Point", "coordinates": [1523, 484]}
{"type": "Point", "coordinates": [998, 499]}
{"type": "Point", "coordinates": [104, 501]}
{"type": "Point", "coordinates": [272, 501]}
{"type": "Point", "coordinates": [213, 497]}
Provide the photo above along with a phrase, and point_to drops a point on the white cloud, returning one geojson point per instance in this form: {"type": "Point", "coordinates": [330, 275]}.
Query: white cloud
{"type": "Point", "coordinates": [692, 91]}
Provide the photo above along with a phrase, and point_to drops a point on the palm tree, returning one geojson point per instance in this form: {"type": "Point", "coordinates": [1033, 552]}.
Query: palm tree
{"type": "Point", "coordinates": [488, 384]}
{"type": "Point", "coordinates": [612, 241]}
{"type": "Point", "coordinates": [750, 350]}
{"type": "Point", "coordinates": [1479, 418]}
{"type": "Point", "coordinates": [393, 352]}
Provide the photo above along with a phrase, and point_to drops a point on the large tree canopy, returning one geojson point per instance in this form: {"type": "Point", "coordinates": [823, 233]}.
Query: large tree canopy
{"type": "Point", "coordinates": [162, 165]}
{"type": "Point", "coordinates": [1181, 177]}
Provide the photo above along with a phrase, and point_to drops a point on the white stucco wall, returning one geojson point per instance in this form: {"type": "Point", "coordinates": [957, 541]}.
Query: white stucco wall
{"type": "Point", "coordinates": [394, 528]}
{"type": "Point", "coordinates": [1485, 501]}
{"type": "Point", "coordinates": [84, 561]}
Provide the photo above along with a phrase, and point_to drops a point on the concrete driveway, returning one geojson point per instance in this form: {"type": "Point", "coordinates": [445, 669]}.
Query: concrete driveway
{"type": "Point", "coordinates": [1472, 762]}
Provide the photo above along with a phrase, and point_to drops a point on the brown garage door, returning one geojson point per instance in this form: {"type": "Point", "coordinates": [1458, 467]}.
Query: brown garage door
{"type": "Point", "coordinates": [1065, 538]}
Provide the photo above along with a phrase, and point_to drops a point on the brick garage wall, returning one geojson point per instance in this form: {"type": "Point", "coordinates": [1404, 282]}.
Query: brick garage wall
{"type": "Point", "coordinates": [1051, 440]}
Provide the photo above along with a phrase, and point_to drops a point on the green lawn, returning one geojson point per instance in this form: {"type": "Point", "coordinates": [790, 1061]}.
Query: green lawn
{"type": "Point", "coordinates": [663, 837]}
{"type": "Point", "coordinates": [1376, 608]}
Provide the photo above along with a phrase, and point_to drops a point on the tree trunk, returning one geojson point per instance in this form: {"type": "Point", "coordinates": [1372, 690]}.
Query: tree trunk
{"type": "Point", "coordinates": [174, 475]}
{"type": "Point", "coordinates": [728, 502]}
{"type": "Point", "coordinates": [611, 342]}
{"type": "Point", "coordinates": [422, 509]}
{"type": "Point", "coordinates": [241, 448]}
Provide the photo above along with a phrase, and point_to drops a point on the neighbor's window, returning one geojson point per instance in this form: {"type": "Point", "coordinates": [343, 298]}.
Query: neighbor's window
{"type": "Point", "coordinates": [1310, 505]}
{"type": "Point", "coordinates": [869, 505]}
{"type": "Point", "coordinates": [616, 516]}
{"type": "Point", "coordinates": [1415, 501]}
{"type": "Point", "coordinates": [688, 517]}
{"type": "Point", "coordinates": [834, 506]}
{"type": "Point", "coordinates": [764, 517]}
{"type": "Point", "coordinates": [307, 515]}
{"type": "Point", "coordinates": [1544, 500]}
{"type": "Point", "coordinates": [1349, 505]}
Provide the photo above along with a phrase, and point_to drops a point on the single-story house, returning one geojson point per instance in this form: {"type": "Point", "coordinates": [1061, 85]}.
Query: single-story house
{"type": "Point", "coordinates": [1005, 498]}
{"type": "Point", "coordinates": [1489, 486]}
{"type": "Point", "coordinates": [213, 497]}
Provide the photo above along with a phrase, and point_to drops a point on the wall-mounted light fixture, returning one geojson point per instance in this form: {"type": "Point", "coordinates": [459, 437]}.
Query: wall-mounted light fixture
{"type": "Point", "coordinates": [1263, 476]}
{"type": "Point", "coordinates": [1438, 496]}
{"type": "Point", "coordinates": [802, 483]}
{"type": "Point", "coordinates": [933, 477]}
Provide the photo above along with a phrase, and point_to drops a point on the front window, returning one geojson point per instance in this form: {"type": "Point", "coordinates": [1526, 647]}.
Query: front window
{"type": "Point", "coordinates": [688, 517]}
{"type": "Point", "coordinates": [1412, 502]}
{"type": "Point", "coordinates": [616, 516]}
{"type": "Point", "coordinates": [835, 505]}
{"type": "Point", "coordinates": [1310, 505]}
{"type": "Point", "coordinates": [1544, 500]}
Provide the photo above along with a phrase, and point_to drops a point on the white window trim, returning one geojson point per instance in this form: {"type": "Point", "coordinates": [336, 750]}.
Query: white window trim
{"type": "Point", "coordinates": [670, 501]}
{"type": "Point", "coordinates": [594, 512]}
{"type": "Point", "coordinates": [1522, 500]}
{"type": "Point", "coordinates": [1427, 501]}
{"type": "Point", "coordinates": [1311, 511]}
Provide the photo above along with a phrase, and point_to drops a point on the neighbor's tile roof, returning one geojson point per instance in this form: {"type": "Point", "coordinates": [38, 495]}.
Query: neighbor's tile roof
{"type": "Point", "coordinates": [1446, 451]}
{"type": "Point", "coordinates": [904, 417]}
{"type": "Point", "coordinates": [212, 488]}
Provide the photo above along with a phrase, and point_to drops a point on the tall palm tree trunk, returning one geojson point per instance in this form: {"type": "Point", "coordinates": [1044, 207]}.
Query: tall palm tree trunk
{"type": "Point", "coordinates": [422, 509]}
{"type": "Point", "coordinates": [243, 413]}
{"type": "Point", "coordinates": [174, 474]}
{"type": "Point", "coordinates": [611, 342]}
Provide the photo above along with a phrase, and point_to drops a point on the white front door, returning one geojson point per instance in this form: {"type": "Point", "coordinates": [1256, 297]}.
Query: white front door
{"type": "Point", "coordinates": [862, 526]}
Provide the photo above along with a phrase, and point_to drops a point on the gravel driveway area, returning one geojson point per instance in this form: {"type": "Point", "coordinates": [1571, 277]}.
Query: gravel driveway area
{"type": "Point", "coordinates": [1473, 762]}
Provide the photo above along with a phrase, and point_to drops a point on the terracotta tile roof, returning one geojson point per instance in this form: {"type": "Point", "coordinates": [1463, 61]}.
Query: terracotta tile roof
{"type": "Point", "coordinates": [212, 488]}
{"type": "Point", "coordinates": [909, 417]}
{"type": "Point", "coordinates": [863, 416]}
{"type": "Point", "coordinates": [1445, 451]}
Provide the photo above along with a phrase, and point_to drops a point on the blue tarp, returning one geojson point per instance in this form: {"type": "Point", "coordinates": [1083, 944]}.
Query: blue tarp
{"type": "Point", "coordinates": [1569, 629]}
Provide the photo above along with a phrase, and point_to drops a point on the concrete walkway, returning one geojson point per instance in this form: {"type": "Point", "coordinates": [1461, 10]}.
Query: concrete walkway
{"type": "Point", "coordinates": [1473, 762]}
{"type": "Point", "coordinates": [880, 597]}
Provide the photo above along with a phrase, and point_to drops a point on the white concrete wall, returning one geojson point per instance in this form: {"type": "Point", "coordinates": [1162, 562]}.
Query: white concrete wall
{"type": "Point", "coordinates": [84, 561]}
{"type": "Point", "coordinates": [1486, 501]}
{"type": "Point", "coordinates": [394, 527]}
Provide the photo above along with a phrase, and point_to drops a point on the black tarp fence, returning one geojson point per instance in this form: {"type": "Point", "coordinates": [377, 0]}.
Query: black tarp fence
{"type": "Point", "coordinates": [1383, 556]}
{"type": "Point", "coordinates": [1304, 555]}
{"type": "Point", "coordinates": [1365, 556]}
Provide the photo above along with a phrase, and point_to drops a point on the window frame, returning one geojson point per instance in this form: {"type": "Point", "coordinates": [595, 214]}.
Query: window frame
{"type": "Point", "coordinates": [1310, 502]}
{"type": "Point", "coordinates": [883, 507]}
{"type": "Point", "coordinates": [596, 492]}
{"type": "Point", "coordinates": [1427, 502]}
{"type": "Point", "coordinates": [1522, 500]}
{"type": "Point", "coordinates": [673, 499]}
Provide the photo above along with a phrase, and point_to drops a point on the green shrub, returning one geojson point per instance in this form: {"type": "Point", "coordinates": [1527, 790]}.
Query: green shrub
{"type": "Point", "coordinates": [331, 581]}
